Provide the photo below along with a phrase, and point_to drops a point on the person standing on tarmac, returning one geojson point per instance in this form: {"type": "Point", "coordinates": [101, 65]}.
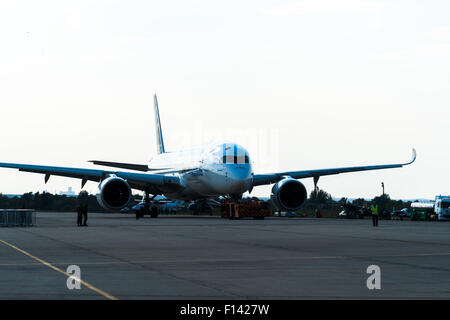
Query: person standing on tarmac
{"type": "Point", "coordinates": [84, 211]}
{"type": "Point", "coordinates": [374, 209]}
{"type": "Point", "coordinates": [79, 216]}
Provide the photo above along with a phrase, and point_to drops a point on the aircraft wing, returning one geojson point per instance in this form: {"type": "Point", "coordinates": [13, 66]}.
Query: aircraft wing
{"type": "Point", "coordinates": [262, 179]}
{"type": "Point", "coordinates": [139, 181]}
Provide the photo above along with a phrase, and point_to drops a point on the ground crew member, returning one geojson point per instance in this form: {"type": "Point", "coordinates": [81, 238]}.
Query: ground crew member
{"type": "Point", "coordinates": [84, 211]}
{"type": "Point", "coordinates": [79, 216]}
{"type": "Point", "coordinates": [374, 209]}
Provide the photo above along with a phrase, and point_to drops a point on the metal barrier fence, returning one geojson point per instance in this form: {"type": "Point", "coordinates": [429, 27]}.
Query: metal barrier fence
{"type": "Point", "coordinates": [17, 218]}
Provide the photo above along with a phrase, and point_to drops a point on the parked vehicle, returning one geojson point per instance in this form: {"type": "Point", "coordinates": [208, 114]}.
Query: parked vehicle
{"type": "Point", "coordinates": [422, 211]}
{"type": "Point", "coordinates": [400, 214]}
{"type": "Point", "coordinates": [354, 212]}
{"type": "Point", "coordinates": [125, 210]}
{"type": "Point", "coordinates": [442, 207]}
{"type": "Point", "coordinates": [349, 214]}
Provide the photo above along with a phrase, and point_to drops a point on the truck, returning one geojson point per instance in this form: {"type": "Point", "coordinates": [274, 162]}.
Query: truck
{"type": "Point", "coordinates": [442, 207]}
{"type": "Point", "coordinates": [422, 211]}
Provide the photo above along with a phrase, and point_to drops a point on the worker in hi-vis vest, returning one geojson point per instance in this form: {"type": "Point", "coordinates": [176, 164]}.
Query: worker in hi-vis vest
{"type": "Point", "coordinates": [374, 209]}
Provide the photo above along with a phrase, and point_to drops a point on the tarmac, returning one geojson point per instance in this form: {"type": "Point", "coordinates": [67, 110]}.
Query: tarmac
{"type": "Point", "coordinates": [176, 257]}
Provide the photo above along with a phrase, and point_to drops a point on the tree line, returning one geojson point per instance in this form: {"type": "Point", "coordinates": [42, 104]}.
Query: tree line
{"type": "Point", "coordinates": [322, 199]}
{"type": "Point", "coordinates": [52, 202]}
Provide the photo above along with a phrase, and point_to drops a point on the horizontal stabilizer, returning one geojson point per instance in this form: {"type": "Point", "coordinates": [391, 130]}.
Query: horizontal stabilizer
{"type": "Point", "coordinates": [130, 166]}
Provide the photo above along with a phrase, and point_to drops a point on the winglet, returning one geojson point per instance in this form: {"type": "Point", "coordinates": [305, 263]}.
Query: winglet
{"type": "Point", "coordinates": [159, 136]}
{"type": "Point", "coordinates": [414, 156]}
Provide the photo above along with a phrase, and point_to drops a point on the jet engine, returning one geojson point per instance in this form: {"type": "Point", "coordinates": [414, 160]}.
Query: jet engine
{"type": "Point", "coordinates": [288, 194]}
{"type": "Point", "coordinates": [115, 193]}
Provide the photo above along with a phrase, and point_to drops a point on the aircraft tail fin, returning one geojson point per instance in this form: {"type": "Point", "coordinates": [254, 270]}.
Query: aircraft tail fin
{"type": "Point", "coordinates": [159, 135]}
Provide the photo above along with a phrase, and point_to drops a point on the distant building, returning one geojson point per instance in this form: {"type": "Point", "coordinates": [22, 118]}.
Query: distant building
{"type": "Point", "coordinates": [68, 193]}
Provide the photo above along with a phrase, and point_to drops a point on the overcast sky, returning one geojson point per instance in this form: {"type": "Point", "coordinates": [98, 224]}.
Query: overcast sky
{"type": "Point", "coordinates": [304, 84]}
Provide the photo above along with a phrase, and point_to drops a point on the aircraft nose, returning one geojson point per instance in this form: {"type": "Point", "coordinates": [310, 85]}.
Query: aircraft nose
{"type": "Point", "coordinates": [238, 178]}
{"type": "Point", "coordinates": [239, 172]}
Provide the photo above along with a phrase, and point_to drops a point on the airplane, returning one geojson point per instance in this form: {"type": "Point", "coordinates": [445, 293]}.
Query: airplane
{"type": "Point", "coordinates": [196, 174]}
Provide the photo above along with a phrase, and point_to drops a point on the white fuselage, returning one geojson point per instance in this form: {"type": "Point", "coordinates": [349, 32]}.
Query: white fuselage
{"type": "Point", "coordinates": [208, 171]}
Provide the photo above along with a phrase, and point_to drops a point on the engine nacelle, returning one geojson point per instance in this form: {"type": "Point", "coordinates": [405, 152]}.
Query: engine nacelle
{"type": "Point", "coordinates": [115, 193]}
{"type": "Point", "coordinates": [288, 194]}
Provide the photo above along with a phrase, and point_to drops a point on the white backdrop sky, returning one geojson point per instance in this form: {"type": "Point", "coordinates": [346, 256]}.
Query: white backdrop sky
{"type": "Point", "coordinates": [304, 84]}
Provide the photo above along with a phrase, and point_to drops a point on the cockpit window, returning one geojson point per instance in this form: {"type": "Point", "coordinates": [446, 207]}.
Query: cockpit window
{"type": "Point", "coordinates": [233, 153]}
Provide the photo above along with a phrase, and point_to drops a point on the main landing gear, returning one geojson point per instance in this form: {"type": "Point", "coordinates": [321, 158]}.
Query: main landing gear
{"type": "Point", "coordinates": [147, 208]}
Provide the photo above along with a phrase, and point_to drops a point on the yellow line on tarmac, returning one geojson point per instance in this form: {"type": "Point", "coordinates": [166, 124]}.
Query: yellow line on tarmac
{"type": "Point", "coordinates": [106, 295]}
